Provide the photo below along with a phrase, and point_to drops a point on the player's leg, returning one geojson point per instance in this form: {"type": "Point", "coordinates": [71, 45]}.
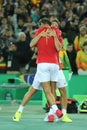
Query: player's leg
{"type": "Point", "coordinates": [63, 96]}
{"type": "Point", "coordinates": [63, 99]}
{"type": "Point", "coordinates": [51, 99]}
{"type": "Point", "coordinates": [26, 98]}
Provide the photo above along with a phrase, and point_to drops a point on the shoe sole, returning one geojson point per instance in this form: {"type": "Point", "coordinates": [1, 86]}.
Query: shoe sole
{"type": "Point", "coordinates": [67, 121]}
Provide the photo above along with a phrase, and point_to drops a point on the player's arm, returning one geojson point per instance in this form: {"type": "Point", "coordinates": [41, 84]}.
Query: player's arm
{"type": "Point", "coordinates": [37, 38]}
{"type": "Point", "coordinates": [59, 37]}
{"type": "Point", "coordinates": [57, 43]}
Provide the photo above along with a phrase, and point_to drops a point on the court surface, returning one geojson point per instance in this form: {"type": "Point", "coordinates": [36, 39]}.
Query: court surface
{"type": "Point", "coordinates": [32, 119]}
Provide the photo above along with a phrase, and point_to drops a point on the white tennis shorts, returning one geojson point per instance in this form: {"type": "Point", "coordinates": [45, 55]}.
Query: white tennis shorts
{"type": "Point", "coordinates": [61, 80]}
{"type": "Point", "coordinates": [48, 72]}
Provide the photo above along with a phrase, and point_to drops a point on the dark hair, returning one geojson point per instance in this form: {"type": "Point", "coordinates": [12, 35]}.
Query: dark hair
{"type": "Point", "coordinates": [45, 21]}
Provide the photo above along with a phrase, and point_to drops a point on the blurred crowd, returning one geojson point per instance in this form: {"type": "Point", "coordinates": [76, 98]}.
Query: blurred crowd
{"type": "Point", "coordinates": [20, 18]}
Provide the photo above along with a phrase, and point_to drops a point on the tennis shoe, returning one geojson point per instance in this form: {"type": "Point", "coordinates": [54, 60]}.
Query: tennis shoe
{"type": "Point", "coordinates": [17, 116]}
{"type": "Point", "coordinates": [65, 118]}
{"type": "Point", "coordinates": [49, 118]}
{"type": "Point", "coordinates": [59, 113]}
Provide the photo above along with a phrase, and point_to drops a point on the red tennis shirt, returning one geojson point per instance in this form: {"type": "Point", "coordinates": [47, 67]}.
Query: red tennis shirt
{"type": "Point", "coordinates": [47, 52]}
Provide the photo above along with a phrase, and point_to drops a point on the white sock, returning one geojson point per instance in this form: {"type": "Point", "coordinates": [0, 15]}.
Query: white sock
{"type": "Point", "coordinates": [54, 107]}
{"type": "Point", "coordinates": [20, 108]}
{"type": "Point", "coordinates": [50, 111]}
{"type": "Point", "coordinates": [64, 111]}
